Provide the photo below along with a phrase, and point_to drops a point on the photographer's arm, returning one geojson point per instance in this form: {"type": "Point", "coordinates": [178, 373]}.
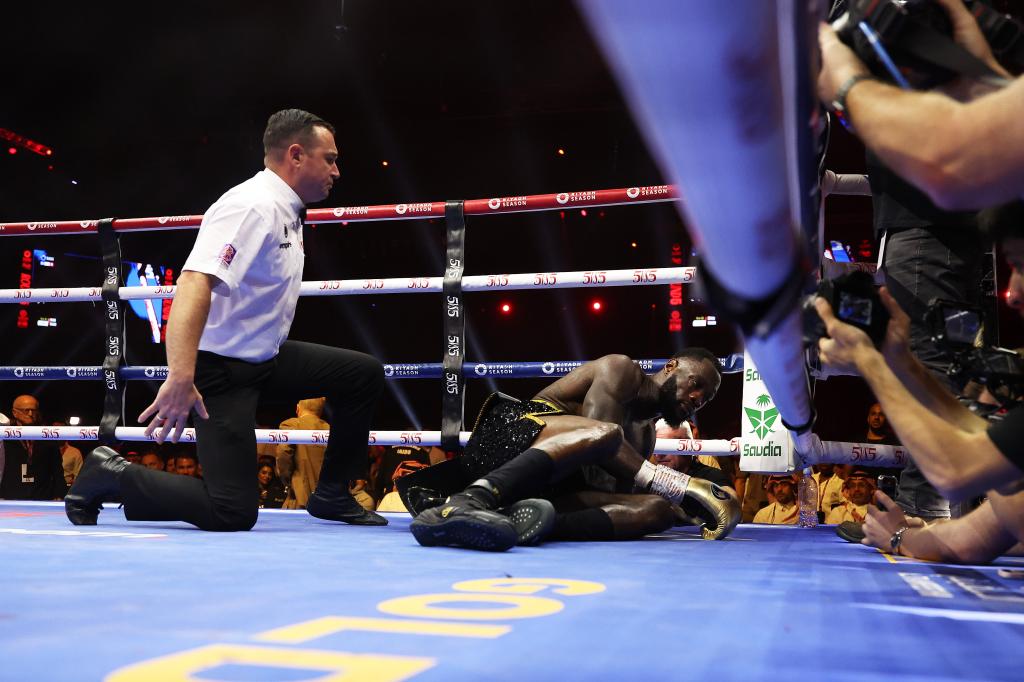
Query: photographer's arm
{"type": "Point", "coordinates": [916, 377]}
{"type": "Point", "coordinates": [957, 461]}
{"type": "Point", "coordinates": [962, 155]}
{"type": "Point", "coordinates": [977, 538]}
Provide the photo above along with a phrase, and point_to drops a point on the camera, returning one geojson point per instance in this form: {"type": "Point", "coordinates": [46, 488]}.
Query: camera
{"type": "Point", "coordinates": [854, 300]}
{"type": "Point", "coordinates": [909, 42]}
{"type": "Point", "coordinates": [956, 328]}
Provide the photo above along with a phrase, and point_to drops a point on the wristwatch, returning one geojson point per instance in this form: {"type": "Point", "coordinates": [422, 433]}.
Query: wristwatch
{"type": "Point", "coordinates": [839, 103]}
{"type": "Point", "coordinates": [897, 538]}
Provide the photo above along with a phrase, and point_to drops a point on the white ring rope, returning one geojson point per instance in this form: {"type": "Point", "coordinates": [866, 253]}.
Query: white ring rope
{"type": "Point", "coordinates": [864, 454]}
{"type": "Point", "coordinates": [395, 285]}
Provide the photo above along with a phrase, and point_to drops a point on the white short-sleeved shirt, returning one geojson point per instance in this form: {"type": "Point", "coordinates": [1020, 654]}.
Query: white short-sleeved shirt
{"type": "Point", "coordinates": [251, 240]}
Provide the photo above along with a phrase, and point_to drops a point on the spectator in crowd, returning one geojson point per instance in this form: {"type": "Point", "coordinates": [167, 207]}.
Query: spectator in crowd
{"type": "Point", "coordinates": [395, 462]}
{"type": "Point", "coordinates": [359, 490]}
{"type": "Point", "coordinates": [300, 463]}
{"type": "Point", "coordinates": [878, 428]}
{"type": "Point", "coordinates": [71, 458]}
{"type": "Point", "coordinates": [186, 464]}
{"type": "Point", "coordinates": [151, 460]}
{"type": "Point", "coordinates": [272, 494]}
{"type": "Point", "coordinates": [830, 487]}
{"type": "Point", "coordinates": [858, 489]}
{"type": "Point", "coordinates": [751, 488]}
{"type": "Point", "coordinates": [133, 455]}
{"type": "Point", "coordinates": [784, 510]}
{"type": "Point", "coordinates": [170, 464]}
{"type": "Point", "coordinates": [32, 469]}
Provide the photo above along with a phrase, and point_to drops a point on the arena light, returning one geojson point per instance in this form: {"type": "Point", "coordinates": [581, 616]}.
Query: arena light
{"type": "Point", "coordinates": [24, 142]}
{"type": "Point", "coordinates": [12, 150]}
{"type": "Point", "coordinates": [505, 308]}
{"type": "Point", "coordinates": [384, 163]}
{"type": "Point", "coordinates": [596, 305]}
{"type": "Point", "coordinates": [74, 421]}
{"type": "Point", "coordinates": [561, 152]}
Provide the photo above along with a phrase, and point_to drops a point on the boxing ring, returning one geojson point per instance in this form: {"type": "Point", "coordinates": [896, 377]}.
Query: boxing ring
{"type": "Point", "coordinates": [298, 598]}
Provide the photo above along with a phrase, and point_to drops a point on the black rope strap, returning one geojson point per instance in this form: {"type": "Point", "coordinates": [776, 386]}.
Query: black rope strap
{"type": "Point", "coordinates": [453, 400]}
{"type": "Point", "coordinates": [113, 310]}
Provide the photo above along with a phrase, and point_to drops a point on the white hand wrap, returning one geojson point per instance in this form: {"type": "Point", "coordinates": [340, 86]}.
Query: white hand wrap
{"type": "Point", "coordinates": [661, 480]}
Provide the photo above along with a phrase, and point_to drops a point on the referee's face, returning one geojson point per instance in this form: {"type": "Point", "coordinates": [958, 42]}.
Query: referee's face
{"type": "Point", "coordinates": [319, 168]}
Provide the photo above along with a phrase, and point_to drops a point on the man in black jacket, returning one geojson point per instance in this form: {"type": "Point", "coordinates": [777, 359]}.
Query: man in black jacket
{"type": "Point", "coordinates": [32, 468]}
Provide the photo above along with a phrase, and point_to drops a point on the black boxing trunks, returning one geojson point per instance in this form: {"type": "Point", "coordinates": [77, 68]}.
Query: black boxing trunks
{"type": "Point", "coordinates": [504, 428]}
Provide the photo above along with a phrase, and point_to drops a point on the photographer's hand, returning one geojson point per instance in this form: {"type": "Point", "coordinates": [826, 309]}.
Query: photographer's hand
{"type": "Point", "coordinates": [879, 526]}
{"type": "Point", "coordinates": [838, 64]}
{"type": "Point", "coordinates": [896, 346]}
{"type": "Point", "coordinates": [967, 34]}
{"type": "Point", "coordinates": [846, 346]}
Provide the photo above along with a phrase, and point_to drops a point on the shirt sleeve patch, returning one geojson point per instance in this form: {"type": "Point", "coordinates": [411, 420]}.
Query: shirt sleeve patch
{"type": "Point", "coordinates": [227, 254]}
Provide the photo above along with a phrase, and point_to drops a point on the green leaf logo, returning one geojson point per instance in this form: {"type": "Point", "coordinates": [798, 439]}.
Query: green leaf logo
{"type": "Point", "coordinates": [762, 421]}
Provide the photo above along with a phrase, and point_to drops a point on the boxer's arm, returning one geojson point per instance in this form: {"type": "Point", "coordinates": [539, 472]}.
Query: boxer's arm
{"type": "Point", "coordinates": [615, 382]}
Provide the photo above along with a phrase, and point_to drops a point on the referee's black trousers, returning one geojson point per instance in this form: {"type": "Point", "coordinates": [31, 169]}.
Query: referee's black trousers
{"type": "Point", "coordinates": [227, 498]}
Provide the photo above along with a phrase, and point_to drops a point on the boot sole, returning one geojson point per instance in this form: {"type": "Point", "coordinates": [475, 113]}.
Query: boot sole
{"type": "Point", "coordinates": [533, 520]}
{"type": "Point", "coordinates": [464, 531]}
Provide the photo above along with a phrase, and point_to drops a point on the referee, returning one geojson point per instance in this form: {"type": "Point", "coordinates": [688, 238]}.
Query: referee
{"type": "Point", "coordinates": [226, 352]}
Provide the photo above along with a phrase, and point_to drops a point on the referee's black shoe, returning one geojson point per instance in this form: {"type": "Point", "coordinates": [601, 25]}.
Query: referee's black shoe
{"type": "Point", "coordinates": [464, 522]}
{"type": "Point", "coordinates": [98, 482]}
{"type": "Point", "coordinates": [343, 508]}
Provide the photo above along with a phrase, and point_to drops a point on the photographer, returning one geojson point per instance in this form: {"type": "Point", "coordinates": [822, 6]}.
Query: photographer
{"type": "Point", "coordinates": [958, 451]}
{"type": "Point", "coordinates": [963, 155]}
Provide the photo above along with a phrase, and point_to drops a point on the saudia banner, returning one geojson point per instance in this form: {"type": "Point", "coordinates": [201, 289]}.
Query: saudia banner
{"type": "Point", "coordinates": [766, 446]}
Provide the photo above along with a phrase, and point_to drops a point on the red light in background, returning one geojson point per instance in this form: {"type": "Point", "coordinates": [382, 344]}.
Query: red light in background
{"type": "Point", "coordinates": [506, 308]}
{"type": "Point", "coordinates": [596, 306]}
{"type": "Point", "coordinates": [583, 212]}
{"type": "Point", "coordinates": [12, 150]}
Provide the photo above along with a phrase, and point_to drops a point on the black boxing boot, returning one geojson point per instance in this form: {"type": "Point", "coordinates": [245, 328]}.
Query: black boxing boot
{"type": "Point", "coordinates": [533, 519]}
{"type": "Point", "coordinates": [464, 520]}
{"type": "Point", "coordinates": [98, 482]}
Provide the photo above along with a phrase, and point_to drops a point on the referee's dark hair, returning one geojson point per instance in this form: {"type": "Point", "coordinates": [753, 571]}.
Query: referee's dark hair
{"type": "Point", "coordinates": [289, 126]}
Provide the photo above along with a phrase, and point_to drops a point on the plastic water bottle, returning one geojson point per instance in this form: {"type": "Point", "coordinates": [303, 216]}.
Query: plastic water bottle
{"type": "Point", "coordinates": [807, 498]}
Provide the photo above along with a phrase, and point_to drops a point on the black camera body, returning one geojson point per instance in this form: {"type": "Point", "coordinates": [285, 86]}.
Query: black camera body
{"type": "Point", "coordinates": [955, 329]}
{"type": "Point", "coordinates": [916, 36]}
{"type": "Point", "coordinates": [854, 300]}
{"type": "Point", "coordinates": [896, 24]}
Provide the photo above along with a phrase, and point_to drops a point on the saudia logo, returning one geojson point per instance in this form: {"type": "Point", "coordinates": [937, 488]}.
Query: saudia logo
{"type": "Point", "coordinates": [762, 420]}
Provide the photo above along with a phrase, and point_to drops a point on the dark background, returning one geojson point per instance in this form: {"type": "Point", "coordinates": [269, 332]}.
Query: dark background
{"type": "Point", "coordinates": [158, 109]}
